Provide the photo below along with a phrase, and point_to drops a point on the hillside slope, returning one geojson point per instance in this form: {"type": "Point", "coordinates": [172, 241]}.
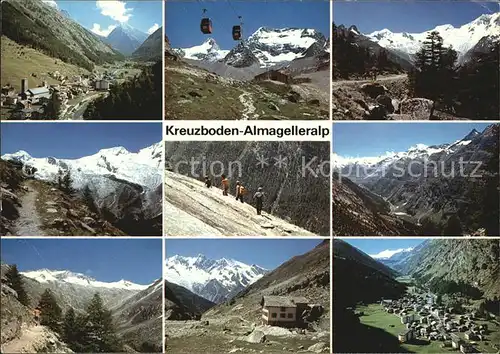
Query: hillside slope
{"type": "Point", "coordinates": [182, 304]}
{"type": "Point", "coordinates": [190, 209]}
{"type": "Point", "coordinates": [475, 262]}
{"type": "Point", "coordinates": [36, 24]}
{"type": "Point", "coordinates": [151, 48]}
{"type": "Point", "coordinates": [139, 318]}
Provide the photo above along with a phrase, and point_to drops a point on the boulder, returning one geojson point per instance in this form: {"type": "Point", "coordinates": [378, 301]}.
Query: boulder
{"type": "Point", "coordinates": [395, 104]}
{"type": "Point", "coordinates": [386, 102]}
{"type": "Point", "coordinates": [373, 89]}
{"type": "Point", "coordinates": [362, 103]}
{"type": "Point", "coordinates": [418, 108]}
{"type": "Point", "coordinates": [51, 210]}
{"type": "Point", "coordinates": [194, 94]}
{"type": "Point", "coordinates": [317, 348]}
{"type": "Point", "coordinates": [313, 102]}
{"type": "Point", "coordinates": [256, 336]}
{"type": "Point", "coordinates": [377, 112]}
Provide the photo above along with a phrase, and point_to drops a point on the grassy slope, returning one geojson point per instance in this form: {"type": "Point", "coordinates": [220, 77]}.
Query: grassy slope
{"type": "Point", "coordinates": [219, 101]}
{"type": "Point", "coordinates": [20, 62]}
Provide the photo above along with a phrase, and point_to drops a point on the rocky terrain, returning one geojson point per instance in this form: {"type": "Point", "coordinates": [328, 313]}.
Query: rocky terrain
{"type": "Point", "coordinates": [431, 196]}
{"type": "Point", "coordinates": [293, 193]}
{"type": "Point", "coordinates": [215, 280]}
{"type": "Point", "coordinates": [234, 327]}
{"type": "Point", "coordinates": [229, 83]}
{"type": "Point", "coordinates": [120, 187]}
{"type": "Point", "coordinates": [372, 78]}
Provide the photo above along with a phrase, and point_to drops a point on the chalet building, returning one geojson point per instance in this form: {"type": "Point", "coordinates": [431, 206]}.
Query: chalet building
{"type": "Point", "coordinates": [36, 95]}
{"type": "Point", "coordinates": [102, 85]}
{"type": "Point", "coordinates": [466, 348]}
{"type": "Point", "coordinates": [283, 311]}
{"type": "Point", "coordinates": [274, 75]}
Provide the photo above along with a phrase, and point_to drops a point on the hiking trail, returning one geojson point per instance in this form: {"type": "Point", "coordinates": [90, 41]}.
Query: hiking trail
{"type": "Point", "coordinates": [29, 341]}
{"type": "Point", "coordinates": [249, 108]}
{"type": "Point", "coordinates": [28, 223]}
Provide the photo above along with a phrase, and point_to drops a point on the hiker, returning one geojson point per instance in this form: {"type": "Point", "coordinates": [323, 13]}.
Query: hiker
{"type": "Point", "coordinates": [259, 197]}
{"type": "Point", "coordinates": [225, 185]}
{"type": "Point", "coordinates": [208, 182]}
{"type": "Point", "coordinates": [240, 191]}
{"type": "Point", "coordinates": [36, 315]}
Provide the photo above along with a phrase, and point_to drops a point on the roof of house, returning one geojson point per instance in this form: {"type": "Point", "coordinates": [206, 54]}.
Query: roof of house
{"type": "Point", "coordinates": [39, 90]}
{"type": "Point", "coordinates": [284, 301]}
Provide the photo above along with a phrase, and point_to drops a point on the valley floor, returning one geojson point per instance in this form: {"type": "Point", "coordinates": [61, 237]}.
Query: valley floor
{"type": "Point", "coordinates": [229, 335]}
{"type": "Point", "coordinates": [191, 209]}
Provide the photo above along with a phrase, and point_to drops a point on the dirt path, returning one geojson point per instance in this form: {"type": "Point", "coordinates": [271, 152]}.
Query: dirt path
{"type": "Point", "coordinates": [28, 223]}
{"type": "Point", "coordinates": [25, 344]}
{"type": "Point", "coordinates": [380, 78]}
{"type": "Point", "coordinates": [249, 108]}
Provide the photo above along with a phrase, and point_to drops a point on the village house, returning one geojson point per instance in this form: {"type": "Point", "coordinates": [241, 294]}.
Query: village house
{"type": "Point", "coordinates": [466, 348]}
{"type": "Point", "coordinates": [36, 95]}
{"type": "Point", "coordinates": [406, 336]}
{"type": "Point", "coordinates": [283, 311]}
{"type": "Point", "coordinates": [274, 75]}
{"type": "Point", "coordinates": [456, 342]}
{"type": "Point", "coordinates": [102, 85]}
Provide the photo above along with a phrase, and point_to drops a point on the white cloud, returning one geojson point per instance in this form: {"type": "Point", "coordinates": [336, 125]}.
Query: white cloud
{"type": "Point", "coordinates": [153, 28]}
{"type": "Point", "coordinates": [115, 9]}
{"type": "Point", "coordinates": [96, 28]}
{"type": "Point", "coordinates": [52, 3]}
{"type": "Point", "coordinates": [389, 253]}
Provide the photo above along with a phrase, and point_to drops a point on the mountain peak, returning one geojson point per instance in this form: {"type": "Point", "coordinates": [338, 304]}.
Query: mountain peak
{"type": "Point", "coordinates": [117, 150]}
{"type": "Point", "coordinates": [473, 133]}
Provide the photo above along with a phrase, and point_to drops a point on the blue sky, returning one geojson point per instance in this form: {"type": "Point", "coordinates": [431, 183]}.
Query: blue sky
{"type": "Point", "coordinates": [136, 260]}
{"type": "Point", "coordinates": [408, 16]}
{"type": "Point", "coordinates": [101, 16]}
{"type": "Point", "coordinates": [74, 140]}
{"type": "Point", "coordinates": [374, 139]}
{"type": "Point", "coordinates": [183, 19]}
{"type": "Point", "coordinates": [265, 253]}
{"type": "Point", "coordinates": [373, 246]}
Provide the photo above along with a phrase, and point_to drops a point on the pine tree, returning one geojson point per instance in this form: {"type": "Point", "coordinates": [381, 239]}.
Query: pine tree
{"type": "Point", "coordinates": [70, 329]}
{"type": "Point", "coordinates": [60, 179]}
{"type": "Point", "coordinates": [99, 328]}
{"type": "Point", "coordinates": [67, 182]}
{"type": "Point", "coordinates": [89, 200]}
{"type": "Point", "coordinates": [51, 313]}
{"type": "Point", "coordinates": [16, 283]}
{"type": "Point", "coordinates": [453, 227]}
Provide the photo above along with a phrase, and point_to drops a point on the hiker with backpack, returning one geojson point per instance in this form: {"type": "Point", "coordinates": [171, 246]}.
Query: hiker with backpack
{"type": "Point", "coordinates": [240, 191]}
{"type": "Point", "coordinates": [259, 199]}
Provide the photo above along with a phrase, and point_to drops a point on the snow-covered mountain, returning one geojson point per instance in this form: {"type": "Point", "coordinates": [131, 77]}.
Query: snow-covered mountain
{"type": "Point", "coordinates": [364, 169]}
{"type": "Point", "coordinates": [143, 168]}
{"type": "Point", "coordinates": [68, 277]}
{"type": "Point", "coordinates": [463, 38]}
{"type": "Point", "coordinates": [126, 39]}
{"type": "Point", "coordinates": [129, 185]}
{"type": "Point", "coordinates": [266, 46]}
{"type": "Point", "coordinates": [208, 51]}
{"type": "Point", "coordinates": [215, 280]}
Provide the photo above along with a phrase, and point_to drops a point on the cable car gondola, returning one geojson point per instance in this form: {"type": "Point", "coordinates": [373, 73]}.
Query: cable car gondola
{"type": "Point", "coordinates": [237, 31]}
{"type": "Point", "coordinates": [206, 24]}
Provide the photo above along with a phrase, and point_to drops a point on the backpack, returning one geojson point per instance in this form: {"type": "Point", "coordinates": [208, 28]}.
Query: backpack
{"type": "Point", "coordinates": [243, 190]}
